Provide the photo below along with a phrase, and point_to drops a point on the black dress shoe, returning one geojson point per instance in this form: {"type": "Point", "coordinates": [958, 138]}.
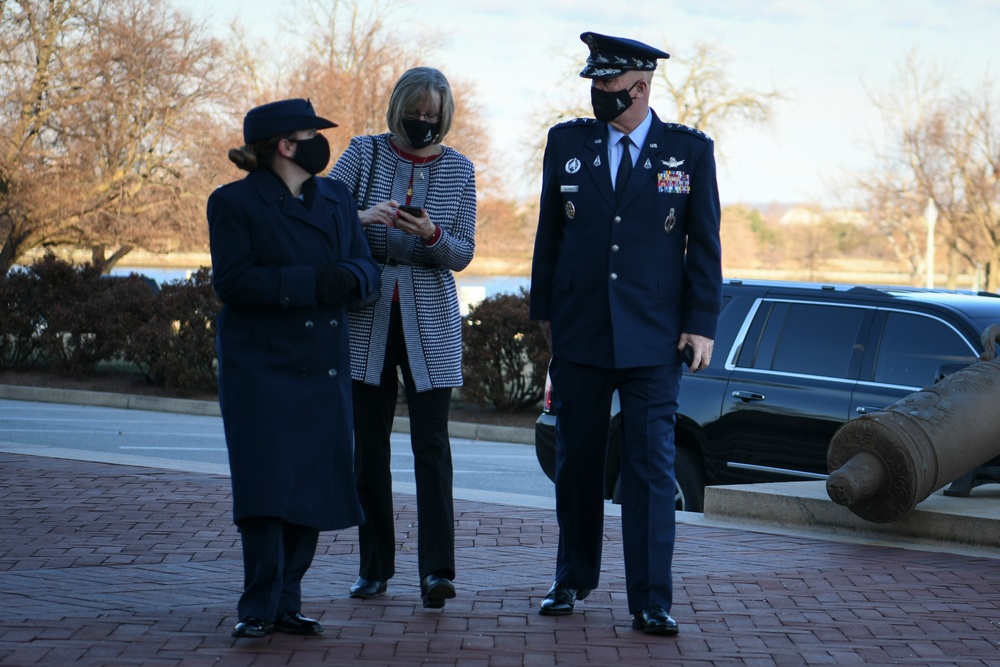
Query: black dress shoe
{"type": "Point", "coordinates": [251, 626]}
{"type": "Point", "coordinates": [435, 589]}
{"type": "Point", "coordinates": [297, 624]}
{"type": "Point", "coordinates": [560, 600]}
{"type": "Point", "coordinates": [363, 588]}
{"type": "Point", "coordinates": [654, 621]}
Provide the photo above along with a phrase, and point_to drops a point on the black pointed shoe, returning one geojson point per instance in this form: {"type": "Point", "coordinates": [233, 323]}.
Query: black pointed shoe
{"type": "Point", "coordinates": [560, 600]}
{"type": "Point", "coordinates": [364, 588]}
{"type": "Point", "coordinates": [297, 624]}
{"type": "Point", "coordinates": [435, 589]}
{"type": "Point", "coordinates": [654, 621]}
{"type": "Point", "coordinates": [251, 626]}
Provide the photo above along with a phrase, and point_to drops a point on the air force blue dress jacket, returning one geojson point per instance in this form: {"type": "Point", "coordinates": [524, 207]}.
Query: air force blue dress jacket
{"type": "Point", "coordinates": [620, 281]}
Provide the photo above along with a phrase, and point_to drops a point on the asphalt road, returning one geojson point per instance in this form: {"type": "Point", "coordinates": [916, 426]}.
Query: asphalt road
{"type": "Point", "coordinates": [483, 470]}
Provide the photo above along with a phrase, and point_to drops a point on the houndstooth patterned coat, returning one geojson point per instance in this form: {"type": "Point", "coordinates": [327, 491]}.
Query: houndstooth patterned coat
{"type": "Point", "coordinates": [428, 299]}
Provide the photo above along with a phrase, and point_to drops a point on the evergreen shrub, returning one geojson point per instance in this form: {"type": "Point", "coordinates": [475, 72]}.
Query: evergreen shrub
{"type": "Point", "coordinates": [505, 356]}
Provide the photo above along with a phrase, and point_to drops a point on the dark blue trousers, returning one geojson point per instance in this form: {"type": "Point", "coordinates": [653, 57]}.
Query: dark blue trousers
{"type": "Point", "coordinates": [276, 555]}
{"type": "Point", "coordinates": [648, 397]}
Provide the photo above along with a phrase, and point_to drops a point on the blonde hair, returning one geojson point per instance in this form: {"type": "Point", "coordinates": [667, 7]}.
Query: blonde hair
{"type": "Point", "coordinates": [414, 87]}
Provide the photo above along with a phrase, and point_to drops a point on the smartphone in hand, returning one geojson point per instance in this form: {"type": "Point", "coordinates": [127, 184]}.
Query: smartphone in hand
{"type": "Point", "coordinates": [415, 211]}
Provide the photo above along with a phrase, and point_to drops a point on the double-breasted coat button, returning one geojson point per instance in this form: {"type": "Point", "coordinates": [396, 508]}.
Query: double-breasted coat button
{"type": "Point", "coordinates": [614, 247]}
{"type": "Point", "coordinates": [303, 372]}
{"type": "Point", "coordinates": [614, 276]}
{"type": "Point", "coordinates": [332, 372]}
{"type": "Point", "coordinates": [617, 219]}
{"type": "Point", "coordinates": [334, 323]}
{"type": "Point", "coordinates": [285, 300]}
{"type": "Point", "coordinates": [309, 324]}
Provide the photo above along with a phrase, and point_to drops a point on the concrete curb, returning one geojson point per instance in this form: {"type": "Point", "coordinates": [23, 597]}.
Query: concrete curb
{"type": "Point", "coordinates": [465, 430]}
{"type": "Point", "coordinates": [972, 522]}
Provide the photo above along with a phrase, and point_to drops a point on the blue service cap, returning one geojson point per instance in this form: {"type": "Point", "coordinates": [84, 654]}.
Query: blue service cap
{"type": "Point", "coordinates": [612, 56]}
{"type": "Point", "coordinates": [279, 118]}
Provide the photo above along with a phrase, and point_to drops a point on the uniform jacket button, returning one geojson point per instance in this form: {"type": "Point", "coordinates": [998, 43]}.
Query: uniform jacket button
{"type": "Point", "coordinates": [332, 372]}
{"type": "Point", "coordinates": [614, 276]}
{"type": "Point", "coordinates": [309, 324]}
{"type": "Point", "coordinates": [614, 247]}
{"type": "Point", "coordinates": [617, 219]}
{"type": "Point", "coordinates": [334, 323]}
{"type": "Point", "coordinates": [303, 372]}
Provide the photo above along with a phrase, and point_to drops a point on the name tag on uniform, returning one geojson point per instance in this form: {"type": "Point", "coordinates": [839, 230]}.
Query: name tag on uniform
{"type": "Point", "coordinates": [569, 188]}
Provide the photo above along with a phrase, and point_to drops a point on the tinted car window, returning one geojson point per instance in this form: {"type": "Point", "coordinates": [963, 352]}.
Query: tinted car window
{"type": "Point", "coordinates": [915, 347]}
{"type": "Point", "coordinates": [805, 338]}
{"type": "Point", "coordinates": [751, 342]}
{"type": "Point", "coordinates": [818, 340]}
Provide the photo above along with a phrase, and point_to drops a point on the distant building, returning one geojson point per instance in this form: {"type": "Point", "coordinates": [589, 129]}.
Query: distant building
{"type": "Point", "coordinates": [806, 215]}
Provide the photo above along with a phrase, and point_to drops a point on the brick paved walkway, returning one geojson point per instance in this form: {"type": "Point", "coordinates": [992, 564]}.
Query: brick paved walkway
{"type": "Point", "coordinates": [115, 565]}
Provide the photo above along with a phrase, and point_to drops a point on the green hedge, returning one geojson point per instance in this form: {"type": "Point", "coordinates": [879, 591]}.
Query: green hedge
{"type": "Point", "coordinates": [505, 354]}
{"type": "Point", "coordinates": [70, 319]}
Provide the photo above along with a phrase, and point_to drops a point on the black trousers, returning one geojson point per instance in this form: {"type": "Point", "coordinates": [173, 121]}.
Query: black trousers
{"type": "Point", "coordinates": [276, 555]}
{"type": "Point", "coordinates": [374, 409]}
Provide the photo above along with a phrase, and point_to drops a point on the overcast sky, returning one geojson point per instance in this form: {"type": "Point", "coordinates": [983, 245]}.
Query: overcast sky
{"type": "Point", "coordinates": [820, 54]}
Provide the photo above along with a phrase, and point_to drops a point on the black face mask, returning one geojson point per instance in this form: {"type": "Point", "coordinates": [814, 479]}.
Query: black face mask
{"type": "Point", "coordinates": [608, 105]}
{"type": "Point", "coordinates": [420, 133]}
{"type": "Point", "coordinates": [312, 154]}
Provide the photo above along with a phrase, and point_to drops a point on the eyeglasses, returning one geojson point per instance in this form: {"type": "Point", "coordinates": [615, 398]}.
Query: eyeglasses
{"type": "Point", "coordinates": [416, 115]}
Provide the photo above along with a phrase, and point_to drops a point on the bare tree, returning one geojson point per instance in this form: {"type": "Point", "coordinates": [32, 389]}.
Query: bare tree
{"type": "Point", "coordinates": [700, 92]}
{"type": "Point", "coordinates": [972, 146]}
{"type": "Point", "coordinates": [32, 72]}
{"type": "Point", "coordinates": [349, 59]}
{"type": "Point", "coordinates": [349, 63]}
{"type": "Point", "coordinates": [705, 98]}
{"type": "Point", "coordinates": [100, 129]}
{"type": "Point", "coordinates": [942, 145]}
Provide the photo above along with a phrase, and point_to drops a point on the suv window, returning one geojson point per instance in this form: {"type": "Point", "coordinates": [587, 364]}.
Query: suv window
{"type": "Point", "coordinates": [804, 338]}
{"type": "Point", "coordinates": [914, 348]}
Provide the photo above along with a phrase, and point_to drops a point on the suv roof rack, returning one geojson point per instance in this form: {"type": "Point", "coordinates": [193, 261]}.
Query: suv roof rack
{"type": "Point", "coordinates": [826, 287]}
{"type": "Point", "coordinates": [870, 290]}
{"type": "Point", "coordinates": [867, 289]}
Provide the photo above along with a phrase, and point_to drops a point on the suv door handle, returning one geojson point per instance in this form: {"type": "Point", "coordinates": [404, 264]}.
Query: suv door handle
{"type": "Point", "coordinates": [748, 396]}
{"type": "Point", "coordinates": [865, 409]}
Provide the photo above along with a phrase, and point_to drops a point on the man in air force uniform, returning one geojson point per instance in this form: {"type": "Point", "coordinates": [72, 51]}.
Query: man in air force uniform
{"type": "Point", "coordinates": [626, 274]}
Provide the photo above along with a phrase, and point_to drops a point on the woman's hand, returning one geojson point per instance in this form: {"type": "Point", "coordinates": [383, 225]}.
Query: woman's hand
{"type": "Point", "coordinates": [418, 226]}
{"type": "Point", "coordinates": [379, 214]}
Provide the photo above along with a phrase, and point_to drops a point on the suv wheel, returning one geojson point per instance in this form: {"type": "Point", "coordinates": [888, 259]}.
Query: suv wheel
{"type": "Point", "coordinates": [690, 478]}
{"type": "Point", "coordinates": [689, 492]}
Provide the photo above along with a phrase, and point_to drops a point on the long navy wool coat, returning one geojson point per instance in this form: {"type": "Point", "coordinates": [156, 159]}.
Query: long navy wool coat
{"type": "Point", "coordinates": [284, 360]}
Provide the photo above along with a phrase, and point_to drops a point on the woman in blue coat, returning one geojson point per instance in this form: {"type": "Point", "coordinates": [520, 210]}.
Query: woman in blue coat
{"type": "Point", "coordinates": [288, 256]}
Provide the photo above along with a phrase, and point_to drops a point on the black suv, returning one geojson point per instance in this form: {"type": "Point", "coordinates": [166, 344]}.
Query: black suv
{"type": "Point", "coordinates": [792, 362]}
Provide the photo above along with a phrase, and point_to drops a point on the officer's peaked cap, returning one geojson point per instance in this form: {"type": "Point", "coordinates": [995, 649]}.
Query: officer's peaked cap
{"type": "Point", "coordinates": [612, 56]}
{"type": "Point", "coordinates": [279, 118]}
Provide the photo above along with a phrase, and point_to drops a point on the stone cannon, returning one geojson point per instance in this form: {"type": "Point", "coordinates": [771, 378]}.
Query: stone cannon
{"type": "Point", "coordinates": [883, 463]}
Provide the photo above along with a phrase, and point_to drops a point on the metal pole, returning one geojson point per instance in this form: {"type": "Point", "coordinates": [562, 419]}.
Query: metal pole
{"type": "Point", "coordinates": [930, 215]}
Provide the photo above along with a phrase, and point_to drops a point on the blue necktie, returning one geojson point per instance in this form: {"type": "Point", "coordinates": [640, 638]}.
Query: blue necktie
{"type": "Point", "coordinates": [624, 167]}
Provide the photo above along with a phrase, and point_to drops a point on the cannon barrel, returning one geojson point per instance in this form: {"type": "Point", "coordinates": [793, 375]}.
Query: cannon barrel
{"type": "Point", "coordinates": [882, 464]}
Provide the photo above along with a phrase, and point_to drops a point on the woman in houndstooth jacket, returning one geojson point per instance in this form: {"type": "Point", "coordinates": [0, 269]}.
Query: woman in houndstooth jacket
{"type": "Point", "coordinates": [415, 325]}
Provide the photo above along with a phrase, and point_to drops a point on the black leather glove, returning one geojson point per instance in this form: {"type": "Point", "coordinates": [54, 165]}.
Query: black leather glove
{"type": "Point", "coordinates": [335, 286]}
